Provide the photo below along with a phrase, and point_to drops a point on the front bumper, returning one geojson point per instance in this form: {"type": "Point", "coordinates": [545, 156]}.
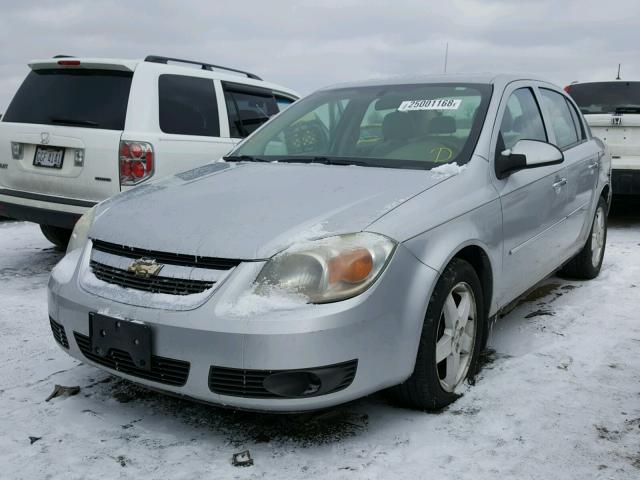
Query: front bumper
{"type": "Point", "coordinates": [625, 181]}
{"type": "Point", "coordinates": [376, 334]}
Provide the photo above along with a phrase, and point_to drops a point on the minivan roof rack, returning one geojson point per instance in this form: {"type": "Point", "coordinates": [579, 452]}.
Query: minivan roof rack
{"type": "Point", "coordinates": [205, 66]}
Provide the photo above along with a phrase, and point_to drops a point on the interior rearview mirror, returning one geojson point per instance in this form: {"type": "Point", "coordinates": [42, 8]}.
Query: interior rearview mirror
{"type": "Point", "coordinates": [527, 154]}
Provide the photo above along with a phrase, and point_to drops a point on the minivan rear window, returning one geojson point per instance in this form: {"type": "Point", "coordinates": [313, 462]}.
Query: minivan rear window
{"type": "Point", "coordinates": [72, 97]}
{"type": "Point", "coordinates": [606, 97]}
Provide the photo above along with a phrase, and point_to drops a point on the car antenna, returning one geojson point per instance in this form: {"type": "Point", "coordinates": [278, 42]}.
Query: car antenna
{"type": "Point", "coordinates": [618, 77]}
{"type": "Point", "coordinates": [446, 56]}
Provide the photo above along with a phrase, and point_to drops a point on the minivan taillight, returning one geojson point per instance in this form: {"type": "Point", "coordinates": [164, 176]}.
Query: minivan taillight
{"type": "Point", "coordinates": [136, 161]}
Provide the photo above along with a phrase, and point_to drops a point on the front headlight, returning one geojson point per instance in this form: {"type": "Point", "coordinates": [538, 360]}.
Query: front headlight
{"type": "Point", "coordinates": [81, 230]}
{"type": "Point", "coordinates": [328, 269]}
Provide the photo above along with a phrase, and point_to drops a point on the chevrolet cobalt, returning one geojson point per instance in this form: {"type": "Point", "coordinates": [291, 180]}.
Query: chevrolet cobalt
{"type": "Point", "coordinates": [363, 239]}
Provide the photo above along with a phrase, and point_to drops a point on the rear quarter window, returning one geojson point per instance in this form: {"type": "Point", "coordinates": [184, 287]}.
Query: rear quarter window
{"type": "Point", "coordinates": [73, 97]}
{"type": "Point", "coordinates": [188, 106]}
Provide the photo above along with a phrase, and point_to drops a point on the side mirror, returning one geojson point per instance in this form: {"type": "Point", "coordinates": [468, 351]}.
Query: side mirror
{"type": "Point", "coordinates": [527, 154]}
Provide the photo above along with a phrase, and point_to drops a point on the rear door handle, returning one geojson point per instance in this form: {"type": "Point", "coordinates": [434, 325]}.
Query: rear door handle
{"type": "Point", "coordinates": [593, 166]}
{"type": "Point", "coordinates": [560, 183]}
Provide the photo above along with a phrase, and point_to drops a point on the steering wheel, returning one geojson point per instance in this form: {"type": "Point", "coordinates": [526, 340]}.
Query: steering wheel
{"type": "Point", "coordinates": [307, 137]}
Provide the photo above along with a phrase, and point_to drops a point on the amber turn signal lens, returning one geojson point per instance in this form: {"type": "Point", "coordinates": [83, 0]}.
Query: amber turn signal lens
{"type": "Point", "coordinates": [351, 267]}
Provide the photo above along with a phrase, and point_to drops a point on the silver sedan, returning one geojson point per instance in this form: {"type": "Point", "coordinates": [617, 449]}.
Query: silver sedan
{"type": "Point", "coordinates": [361, 240]}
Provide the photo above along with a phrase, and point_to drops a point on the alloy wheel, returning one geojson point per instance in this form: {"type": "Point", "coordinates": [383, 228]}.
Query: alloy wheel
{"type": "Point", "coordinates": [597, 237]}
{"type": "Point", "coordinates": [456, 336]}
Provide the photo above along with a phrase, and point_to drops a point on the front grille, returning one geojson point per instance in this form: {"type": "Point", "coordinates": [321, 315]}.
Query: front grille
{"type": "Point", "coordinates": [168, 285]}
{"type": "Point", "coordinates": [58, 333]}
{"type": "Point", "coordinates": [163, 370]}
{"type": "Point", "coordinates": [166, 258]}
{"type": "Point", "coordinates": [238, 382]}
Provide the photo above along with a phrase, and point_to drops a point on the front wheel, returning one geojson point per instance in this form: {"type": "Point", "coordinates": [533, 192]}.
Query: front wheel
{"type": "Point", "coordinates": [56, 235]}
{"type": "Point", "coordinates": [450, 341]}
{"type": "Point", "coordinates": [587, 263]}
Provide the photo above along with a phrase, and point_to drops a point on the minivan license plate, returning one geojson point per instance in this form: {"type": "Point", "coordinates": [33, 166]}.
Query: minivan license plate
{"type": "Point", "coordinates": [50, 157]}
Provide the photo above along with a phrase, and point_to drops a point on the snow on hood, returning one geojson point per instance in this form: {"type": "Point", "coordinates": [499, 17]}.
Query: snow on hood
{"type": "Point", "coordinates": [254, 210]}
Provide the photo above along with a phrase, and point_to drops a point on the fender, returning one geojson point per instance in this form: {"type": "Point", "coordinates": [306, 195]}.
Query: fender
{"type": "Point", "coordinates": [435, 248]}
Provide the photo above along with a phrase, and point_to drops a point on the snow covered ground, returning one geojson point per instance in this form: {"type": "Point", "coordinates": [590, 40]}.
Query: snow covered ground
{"type": "Point", "coordinates": [559, 397]}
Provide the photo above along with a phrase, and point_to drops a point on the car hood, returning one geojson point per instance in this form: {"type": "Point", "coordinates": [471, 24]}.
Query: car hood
{"type": "Point", "coordinates": [254, 210]}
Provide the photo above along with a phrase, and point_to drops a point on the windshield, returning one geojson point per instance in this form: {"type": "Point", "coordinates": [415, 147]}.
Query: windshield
{"type": "Point", "coordinates": [398, 126]}
{"type": "Point", "coordinates": [607, 97]}
{"type": "Point", "coordinates": [72, 97]}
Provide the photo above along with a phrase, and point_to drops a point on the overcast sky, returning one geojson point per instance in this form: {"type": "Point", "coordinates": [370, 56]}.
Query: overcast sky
{"type": "Point", "coordinates": [308, 44]}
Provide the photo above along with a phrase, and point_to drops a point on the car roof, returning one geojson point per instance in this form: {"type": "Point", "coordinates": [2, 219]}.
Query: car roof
{"type": "Point", "coordinates": [497, 79]}
{"type": "Point", "coordinates": [132, 64]}
{"type": "Point", "coordinates": [603, 81]}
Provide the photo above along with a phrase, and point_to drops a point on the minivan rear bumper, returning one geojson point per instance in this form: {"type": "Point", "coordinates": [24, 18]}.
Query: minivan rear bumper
{"type": "Point", "coordinates": [625, 182]}
{"type": "Point", "coordinates": [42, 209]}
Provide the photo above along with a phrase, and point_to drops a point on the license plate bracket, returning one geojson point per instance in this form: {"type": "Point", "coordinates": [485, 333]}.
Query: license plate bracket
{"type": "Point", "coordinates": [49, 157]}
{"type": "Point", "coordinates": [107, 334]}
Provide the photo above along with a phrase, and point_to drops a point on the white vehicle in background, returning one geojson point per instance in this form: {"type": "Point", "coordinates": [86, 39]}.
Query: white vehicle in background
{"type": "Point", "coordinates": [612, 111]}
{"type": "Point", "coordinates": [80, 130]}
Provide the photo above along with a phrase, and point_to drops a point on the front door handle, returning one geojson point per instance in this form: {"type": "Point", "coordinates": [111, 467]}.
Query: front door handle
{"type": "Point", "coordinates": [560, 183]}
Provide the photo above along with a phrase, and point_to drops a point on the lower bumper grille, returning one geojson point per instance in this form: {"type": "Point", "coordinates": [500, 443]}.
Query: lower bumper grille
{"type": "Point", "coordinates": [163, 370]}
{"type": "Point", "coordinates": [167, 285]}
{"type": "Point", "coordinates": [58, 333]}
{"type": "Point", "coordinates": [251, 383]}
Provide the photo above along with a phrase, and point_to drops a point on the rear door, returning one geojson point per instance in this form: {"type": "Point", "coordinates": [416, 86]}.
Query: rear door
{"type": "Point", "coordinates": [65, 124]}
{"type": "Point", "coordinates": [581, 159]}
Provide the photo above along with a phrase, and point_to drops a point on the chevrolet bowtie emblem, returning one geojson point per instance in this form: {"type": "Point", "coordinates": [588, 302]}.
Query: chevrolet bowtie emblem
{"type": "Point", "coordinates": [145, 268]}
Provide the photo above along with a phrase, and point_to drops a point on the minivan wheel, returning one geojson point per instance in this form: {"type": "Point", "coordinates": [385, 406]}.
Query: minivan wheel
{"type": "Point", "coordinates": [450, 342]}
{"type": "Point", "coordinates": [56, 235]}
{"type": "Point", "coordinates": [587, 264]}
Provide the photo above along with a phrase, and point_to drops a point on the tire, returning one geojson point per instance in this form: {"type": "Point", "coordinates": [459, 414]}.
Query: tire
{"type": "Point", "coordinates": [56, 235]}
{"type": "Point", "coordinates": [428, 387]}
{"type": "Point", "coordinates": [587, 263]}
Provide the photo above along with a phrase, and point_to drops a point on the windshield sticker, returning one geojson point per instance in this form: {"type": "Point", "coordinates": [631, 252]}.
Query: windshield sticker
{"type": "Point", "coordinates": [441, 154]}
{"type": "Point", "coordinates": [436, 104]}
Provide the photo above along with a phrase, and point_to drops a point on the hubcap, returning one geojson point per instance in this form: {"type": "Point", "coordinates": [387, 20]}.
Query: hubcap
{"type": "Point", "coordinates": [456, 336]}
{"type": "Point", "coordinates": [597, 237]}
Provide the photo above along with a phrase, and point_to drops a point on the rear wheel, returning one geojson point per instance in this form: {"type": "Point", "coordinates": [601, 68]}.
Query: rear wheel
{"type": "Point", "coordinates": [57, 235]}
{"type": "Point", "coordinates": [586, 264]}
{"type": "Point", "coordinates": [450, 341]}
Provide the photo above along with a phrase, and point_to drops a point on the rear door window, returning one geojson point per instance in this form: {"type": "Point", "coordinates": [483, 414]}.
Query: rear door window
{"type": "Point", "coordinates": [188, 106]}
{"type": "Point", "coordinates": [562, 122]}
{"type": "Point", "coordinates": [248, 109]}
{"type": "Point", "coordinates": [72, 97]}
{"type": "Point", "coordinates": [576, 121]}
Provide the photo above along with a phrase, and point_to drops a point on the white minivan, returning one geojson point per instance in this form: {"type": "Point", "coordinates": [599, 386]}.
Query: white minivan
{"type": "Point", "coordinates": [80, 130]}
{"type": "Point", "coordinates": [612, 110]}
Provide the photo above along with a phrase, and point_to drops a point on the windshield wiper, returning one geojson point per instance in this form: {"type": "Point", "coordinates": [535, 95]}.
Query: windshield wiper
{"type": "Point", "coordinates": [243, 158]}
{"type": "Point", "coordinates": [324, 161]}
{"type": "Point", "coordinates": [73, 121]}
